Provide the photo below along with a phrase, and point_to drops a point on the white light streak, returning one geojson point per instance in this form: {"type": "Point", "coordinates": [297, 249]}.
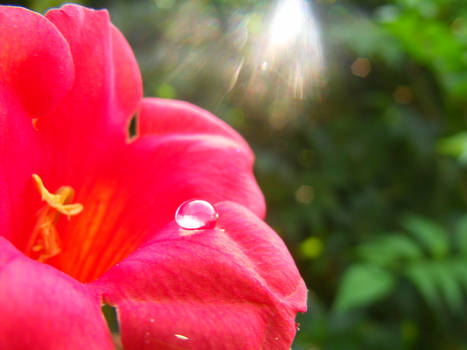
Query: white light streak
{"type": "Point", "coordinates": [288, 21]}
{"type": "Point", "coordinates": [290, 48]}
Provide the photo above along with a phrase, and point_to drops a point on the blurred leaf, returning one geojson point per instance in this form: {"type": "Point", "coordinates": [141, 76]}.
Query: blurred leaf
{"type": "Point", "coordinates": [449, 284]}
{"type": "Point", "coordinates": [362, 285]}
{"type": "Point", "coordinates": [372, 40]}
{"type": "Point", "coordinates": [455, 146]}
{"type": "Point", "coordinates": [430, 234]}
{"type": "Point", "coordinates": [459, 267]}
{"type": "Point", "coordinates": [429, 41]}
{"type": "Point", "coordinates": [390, 249]}
{"type": "Point", "coordinates": [461, 235]}
{"type": "Point", "coordinates": [423, 279]}
{"type": "Point", "coordinates": [428, 8]}
{"type": "Point", "coordinates": [440, 280]}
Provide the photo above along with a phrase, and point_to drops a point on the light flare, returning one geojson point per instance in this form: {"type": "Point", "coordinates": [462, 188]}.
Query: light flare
{"type": "Point", "coordinates": [288, 22]}
{"type": "Point", "coordinates": [289, 55]}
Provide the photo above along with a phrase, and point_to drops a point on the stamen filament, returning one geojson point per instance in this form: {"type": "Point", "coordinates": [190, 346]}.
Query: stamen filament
{"type": "Point", "coordinates": [58, 201]}
{"type": "Point", "coordinates": [45, 239]}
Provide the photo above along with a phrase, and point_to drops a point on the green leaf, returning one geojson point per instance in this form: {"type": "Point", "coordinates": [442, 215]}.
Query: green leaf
{"type": "Point", "coordinates": [461, 235]}
{"type": "Point", "coordinates": [459, 267]}
{"type": "Point", "coordinates": [455, 146]}
{"type": "Point", "coordinates": [431, 235]}
{"type": "Point", "coordinates": [449, 284]}
{"type": "Point", "coordinates": [422, 277]}
{"type": "Point", "coordinates": [390, 249]}
{"type": "Point", "coordinates": [439, 280]}
{"type": "Point", "coordinates": [363, 285]}
{"type": "Point", "coordinates": [428, 41]}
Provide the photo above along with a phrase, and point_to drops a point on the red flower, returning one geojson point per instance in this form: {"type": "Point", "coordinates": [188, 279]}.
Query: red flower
{"type": "Point", "coordinates": [68, 85]}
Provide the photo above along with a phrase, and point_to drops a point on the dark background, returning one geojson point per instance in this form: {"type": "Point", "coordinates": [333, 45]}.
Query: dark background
{"type": "Point", "coordinates": [363, 169]}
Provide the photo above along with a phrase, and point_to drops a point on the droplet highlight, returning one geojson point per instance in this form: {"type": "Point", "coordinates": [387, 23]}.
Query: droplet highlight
{"type": "Point", "coordinates": [196, 214]}
{"type": "Point", "coordinates": [182, 337]}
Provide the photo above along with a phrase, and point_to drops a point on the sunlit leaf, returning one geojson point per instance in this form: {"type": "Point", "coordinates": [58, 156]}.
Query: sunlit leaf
{"type": "Point", "coordinates": [455, 146]}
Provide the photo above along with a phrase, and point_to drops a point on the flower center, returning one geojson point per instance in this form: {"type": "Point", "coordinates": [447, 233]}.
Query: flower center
{"type": "Point", "coordinates": [44, 242]}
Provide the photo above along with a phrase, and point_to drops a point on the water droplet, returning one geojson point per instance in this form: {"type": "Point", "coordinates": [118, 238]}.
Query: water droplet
{"type": "Point", "coordinates": [196, 214]}
{"type": "Point", "coordinates": [151, 320]}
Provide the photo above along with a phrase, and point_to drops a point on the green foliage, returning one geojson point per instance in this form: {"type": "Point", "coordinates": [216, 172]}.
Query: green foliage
{"type": "Point", "coordinates": [428, 233]}
{"type": "Point", "coordinates": [390, 250]}
{"type": "Point", "coordinates": [461, 235]}
{"type": "Point", "coordinates": [438, 275]}
{"type": "Point", "coordinates": [362, 285]}
{"type": "Point", "coordinates": [455, 145]}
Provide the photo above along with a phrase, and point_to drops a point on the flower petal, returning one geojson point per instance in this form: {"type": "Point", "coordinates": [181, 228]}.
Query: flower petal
{"type": "Point", "coordinates": [38, 61]}
{"type": "Point", "coordinates": [42, 308]}
{"type": "Point", "coordinates": [232, 287]}
{"type": "Point", "coordinates": [93, 118]}
{"type": "Point", "coordinates": [139, 191]}
{"type": "Point", "coordinates": [228, 176]}
{"type": "Point", "coordinates": [162, 117]}
{"type": "Point", "coordinates": [179, 120]}
{"type": "Point", "coordinates": [35, 61]}
{"type": "Point", "coordinates": [36, 72]}
{"type": "Point", "coordinates": [108, 81]}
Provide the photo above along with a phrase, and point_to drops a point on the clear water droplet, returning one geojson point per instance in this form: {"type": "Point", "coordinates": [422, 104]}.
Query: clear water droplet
{"type": "Point", "coordinates": [196, 214]}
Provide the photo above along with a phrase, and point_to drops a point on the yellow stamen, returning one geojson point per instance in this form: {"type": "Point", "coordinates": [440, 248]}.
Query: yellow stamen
{"type": "Point", "coordinates": [59, 200]}
{"type": "Point", "coordinates": [45, 239]}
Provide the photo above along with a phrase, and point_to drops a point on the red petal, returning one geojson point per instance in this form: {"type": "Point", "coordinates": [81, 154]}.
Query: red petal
{"type": "Point", "coordinates": [36, 71]}
{"type": "Point", "coordinates": [35, 61]}
{"type": "Point", "coordinates": [140, 190]}
{"type": "Point", "coordinates": [42, 308]}
{"type": "Point", "coordinates": [107, 87]}
{"type": "Point", "coordinates": [178, 119]}
{"type": "Point", "coordinates": [92, 119]}
{"type": "Point", "coordinates": [233, 287]}
{"type": "Point", "coordinates": [161, 117]}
